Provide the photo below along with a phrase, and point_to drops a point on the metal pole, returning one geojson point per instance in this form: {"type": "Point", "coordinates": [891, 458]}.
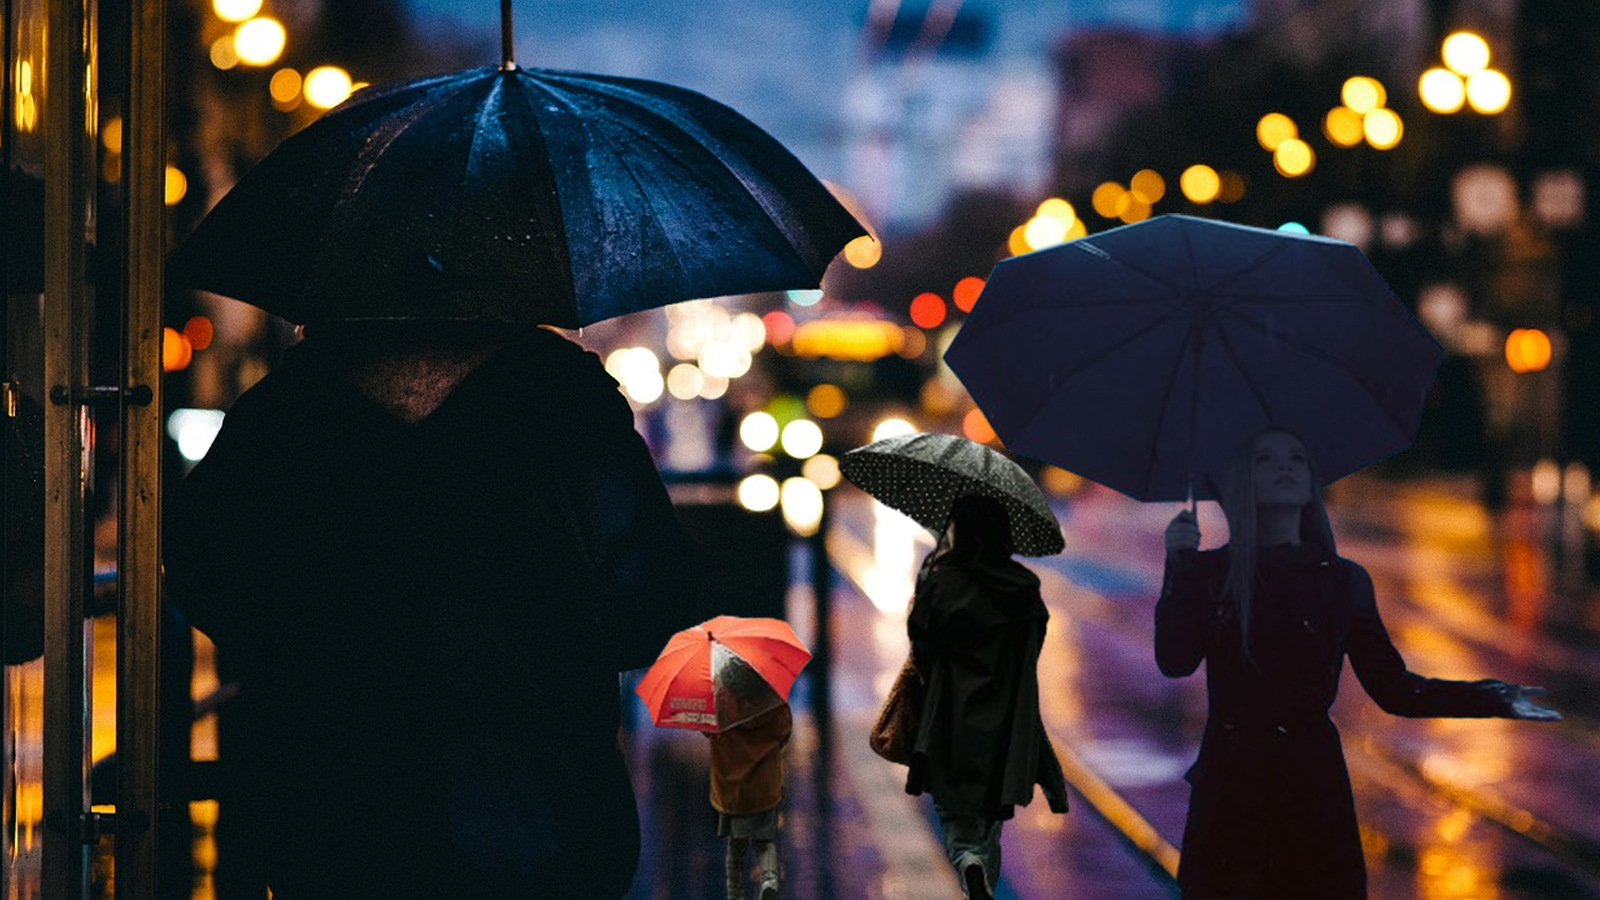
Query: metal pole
{"type": "Point", "coordinates": [139, 547]}
{"type": "Point", "coordinates": [67, 160]}
{"type": "Point", "coordinates": [506, 61]}
{"type": "Point", "coordinates": [822, 640]}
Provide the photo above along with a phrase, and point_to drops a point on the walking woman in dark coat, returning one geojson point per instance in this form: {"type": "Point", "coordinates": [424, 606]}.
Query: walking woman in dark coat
{"type": "Point", "coordinates": [425, 550]}
{"type": "Point", "coordinates": [1274, 614]}
{"type": "Point", "coordinates": [977, 624]}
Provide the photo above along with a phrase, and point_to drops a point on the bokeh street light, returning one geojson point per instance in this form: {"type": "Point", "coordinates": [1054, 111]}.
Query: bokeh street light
{"type": "Point", "coordinates": [1273, 129]}
{"type": "Point", "coordinates": [1382, 128]}
{"type": "Point", "coordinates": [1465, 53]}
{"type": "Point", "coordinates": [1200, 183]}
{"type": "Point", "coordinates": [1293, 158]}
{"type": "Point", "coordinates": [1442, 91]}
{"type": "Point", "coordinates": [1363, 94]}
{"type": "Point", "coordinates": [327, 86]}
{"type": "Point", "coordinates": [260, 41]}
{"type": "Point", "coordinates": [1343, 127]}
{"type": "Point", "coordinates": [1488, 92]}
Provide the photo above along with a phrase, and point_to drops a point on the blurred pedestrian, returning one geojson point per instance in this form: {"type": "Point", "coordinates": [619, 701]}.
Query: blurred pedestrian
{"type": "Point", "coordinates": [977, 625]}
{"type": "Point", "coordinates": [746, 788]}
{"type": "Point", "coordinates": [1273, 614]}
{"type": "Point", "coordinates": [426, 549]}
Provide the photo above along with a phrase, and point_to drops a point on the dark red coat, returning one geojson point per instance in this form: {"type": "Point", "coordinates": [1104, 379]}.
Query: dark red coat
{"type": "Point", "coordinates": [428, 620]}
{"type": "Point", "coordinates": [976, 631]}
{"type": "Point", "coordinates": [1271, 812]}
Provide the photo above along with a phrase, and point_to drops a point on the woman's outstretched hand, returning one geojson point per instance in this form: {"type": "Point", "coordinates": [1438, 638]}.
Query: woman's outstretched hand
{"type": "Point", "coordinates": [1521, 706]}
{"type": "Point", "coordinates": [1183, 533]}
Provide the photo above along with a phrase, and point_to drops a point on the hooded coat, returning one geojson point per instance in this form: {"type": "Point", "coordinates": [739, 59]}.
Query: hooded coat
{"type": "Point", "coordinates": [976, 631]}
{"type": "Point", "coordinates": [1271, 812]}
{"type": "Point", "coordinates": [427, 621]}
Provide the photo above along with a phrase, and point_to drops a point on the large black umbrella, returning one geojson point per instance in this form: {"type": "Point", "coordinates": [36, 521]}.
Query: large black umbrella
{"type": "Point", "coordinates": [921, 475]}
{"type": "Point", "coordinates": [1142, 356]}
{"type": "Point", "coordinates": [518, 195]}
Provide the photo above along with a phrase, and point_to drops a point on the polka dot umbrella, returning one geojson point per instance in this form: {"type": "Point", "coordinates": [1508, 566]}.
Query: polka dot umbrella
{"type": "Point", "coordinates": [921, 475]}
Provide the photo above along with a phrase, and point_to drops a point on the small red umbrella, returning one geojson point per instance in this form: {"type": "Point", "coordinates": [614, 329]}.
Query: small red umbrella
{"type": "Point", "coordinates": [722, 672]}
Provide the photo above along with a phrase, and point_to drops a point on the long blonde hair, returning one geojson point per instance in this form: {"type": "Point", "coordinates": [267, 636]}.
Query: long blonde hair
{"type": "Point", "coordinates": [1239, 506]}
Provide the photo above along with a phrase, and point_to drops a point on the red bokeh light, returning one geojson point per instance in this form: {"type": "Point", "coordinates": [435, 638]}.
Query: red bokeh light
{"type": "Point", "coordinates": [780, 327]}
{"type": "Point", "coordinates": [927, 310]}
{"type": "Point", "coordinates": [966, 292]}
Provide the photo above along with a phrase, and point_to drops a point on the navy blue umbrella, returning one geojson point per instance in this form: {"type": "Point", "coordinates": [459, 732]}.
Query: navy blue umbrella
{"type": "Point", "coordinates": [517, 195]}
{"type": "Point", "coordinates": [1140, 357]}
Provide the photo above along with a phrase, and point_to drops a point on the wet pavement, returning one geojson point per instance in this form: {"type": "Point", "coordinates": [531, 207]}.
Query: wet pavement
{"type": "Point", "coordinates": [1450, 809]}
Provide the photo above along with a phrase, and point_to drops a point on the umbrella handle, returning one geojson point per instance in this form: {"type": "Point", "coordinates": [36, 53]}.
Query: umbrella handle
{"type": "Point", "coordinates": [1193, 504]}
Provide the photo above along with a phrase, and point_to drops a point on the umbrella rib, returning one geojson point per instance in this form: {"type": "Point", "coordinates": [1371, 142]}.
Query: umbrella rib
{"type": "Point", "coordinates": [1161, 420]}
{"type": "Point", "coordinates": [1317, 354]}
{"type": "Point", "coordinates": [1090, 362]}
{"type": "Point", "coordinates": [1253, 265]}
{"type": "Point", "coordinates": [1094, 249]}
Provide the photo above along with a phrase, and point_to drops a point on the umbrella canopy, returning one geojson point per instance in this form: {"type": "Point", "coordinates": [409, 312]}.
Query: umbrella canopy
{"type": "Point", "coordinates": [921, 475]}
{"type": "Point", "coordinates": [722, 672]}
{"type": "Point", "coordinates": [1142, 356]}
{"type": "Point", "coordinates": [516, 195]}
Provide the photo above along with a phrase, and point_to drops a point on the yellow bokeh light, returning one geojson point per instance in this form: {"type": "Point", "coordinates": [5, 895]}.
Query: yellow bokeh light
{"type": "Point", "coordinates": [327, 86]}
{"type": "Point", "coordinates": [1342, 126]}
{"type": "Point", "coordinates": [1383, 128]}
{"type": "Point", "coordinates": [975, 427]}
{"type": "Point", "coordinates": [1363, 94]}
{"type": "Point", "coordinates": [235, 10]}
{"type": "Point", "coordinates": [177, 185]}
{"type": "Point", "coordinates": [863, 252]}
{"type": "Point", "coordinates": [1489, 91]}
{"type": "Point", "coordinates": [1275, 128]}
{"type": "Point", "coordinates": [1465, 53]}
{"type": "Point", "coordinates": [1044, 231]}
{"type": "Point", "coordinates": [1108, 199]}
{"type": "Point", "coordinates": [1148, 185]}
{"type": "Point", "coordinates": [1442, 90]}
{"type": "Point", "coordinates": [111, 134]}
{"type": "Point", "coordinates": [1017, 243]}
{"type": "Point", "coordinates": [285, 87]}
{"type": "Point", "coordinates": [1136, 210]}
{"type": "Point", "coordinates": [1077, 230]}
{"type": "Point", "coordinates": [1293, 158]}
{"type": "Point", "coordinates": [826, 401]}
{"type": "Point", "coordinates": [759, 431]}
{"type": "Point", "coordinates": [259, 42]}
{"type": "Point", "coordinates": [223, 54]}
{"type": "Point", "coordinates": [802, 505]}
{"type": "Point", "coordinates": [1059, 210]}
{"type": "Point", "coordinates": [802, 439]}
{"type": "Point", "coordinates": [759, 493]}
{"type": "Point", "coordinates": [889, 428]}
{"type": "Point", "coordinates": [1200, 183]}
{"type": "Point", "coordinates": [823, 470]}
{"type": "Point", "coordinates": [1528, 350]}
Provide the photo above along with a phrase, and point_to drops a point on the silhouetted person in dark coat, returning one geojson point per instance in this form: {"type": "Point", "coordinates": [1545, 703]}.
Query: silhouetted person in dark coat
{"type": "Point", "coordinates": [1274, 614]}
{"type": "Point", "coordinates": [977, 625]}
{"type": "Point", "coordinates": [427, 550]}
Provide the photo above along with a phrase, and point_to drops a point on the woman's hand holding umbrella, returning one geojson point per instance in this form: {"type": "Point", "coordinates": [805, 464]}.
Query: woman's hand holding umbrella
{"type": "Point", "coordinates": [1183, 533]}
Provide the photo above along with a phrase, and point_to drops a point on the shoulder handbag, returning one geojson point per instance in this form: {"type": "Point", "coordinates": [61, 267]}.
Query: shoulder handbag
{"type": "Point", "coordinates": [895, 733]}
